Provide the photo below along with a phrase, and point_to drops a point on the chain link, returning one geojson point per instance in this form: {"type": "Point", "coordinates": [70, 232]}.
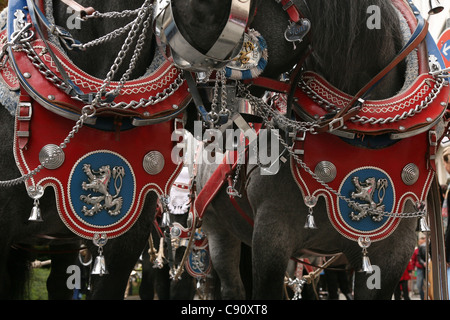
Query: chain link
{"type": "Point", "coordinates": [266, 112]}
{"type": "Point", "coordinates": [22, 42]}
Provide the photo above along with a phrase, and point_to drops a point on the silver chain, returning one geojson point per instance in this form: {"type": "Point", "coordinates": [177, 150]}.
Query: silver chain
{"type": "Point", "coordinates": [266, 112]}
{"type": "Point", "coordinates": [86, 113]}
{"type": "Point", "coordinates": [145, 9]}
{"type": "Point", "coordinates": [329, 107]}
{"type": "Point", "coordinates": [90, 110]}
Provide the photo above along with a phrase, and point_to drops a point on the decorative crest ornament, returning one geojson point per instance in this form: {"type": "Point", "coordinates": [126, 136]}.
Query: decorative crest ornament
{"type": "Point", "coordinates": [99, 183]}
{"type": "Point", "coordinates": [365, 192]}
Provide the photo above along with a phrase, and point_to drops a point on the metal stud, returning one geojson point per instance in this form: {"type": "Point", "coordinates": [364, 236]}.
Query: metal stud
{"type": "Point", "coordinates": [51, 156]}
{"type": "Point", "coordinates": [153, 162]}
{"type": "Point", "coordinates": [410, 174]}
{"type": "Point", "coordinates": [326, 171]}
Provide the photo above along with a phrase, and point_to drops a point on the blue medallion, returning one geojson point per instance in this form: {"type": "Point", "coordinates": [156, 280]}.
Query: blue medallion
{"type": "Point", "coordinates": [101, 188]}
{"type": "Point", "coordinates": [371, 188]}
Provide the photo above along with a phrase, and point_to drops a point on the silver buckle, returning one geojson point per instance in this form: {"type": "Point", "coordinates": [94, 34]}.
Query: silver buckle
{"type": "Point", "coordinates": [340, 123]}
{"type": "Point", "coordinates": [30, 111]}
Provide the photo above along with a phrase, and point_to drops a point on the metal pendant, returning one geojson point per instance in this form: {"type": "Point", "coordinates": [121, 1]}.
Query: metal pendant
{"type": "Point", "coordinates": [310, 202]}
{"type": "Point", "coordinates": [99, 267]}
{"type": "Point", "coordinates": [297, 31]}
{"type": "Point", "coordinates": [35, 193]}
{"type": "Point", "coordinates": [423, 225]}
{"type": "Point", "coordinates": [364, 243]}
{"type": "Point", "coordinates": [35, 212]}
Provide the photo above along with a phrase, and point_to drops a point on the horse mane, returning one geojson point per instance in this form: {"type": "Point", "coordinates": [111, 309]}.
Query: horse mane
{"type": "Point", "coordinates": [346, 51]}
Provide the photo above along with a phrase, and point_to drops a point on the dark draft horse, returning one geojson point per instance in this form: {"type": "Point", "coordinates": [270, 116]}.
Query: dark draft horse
{"type": "Point", "coordinates": [348, 54]}
{"type": "Point", "coordinates": [18, 236]}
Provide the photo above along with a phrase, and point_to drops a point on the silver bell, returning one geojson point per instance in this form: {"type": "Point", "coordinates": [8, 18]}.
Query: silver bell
{"type": "Point", "coordinates": [35, 214]}
{"type": "Point", "coordinates": [310, 223]}
{"type": "Point", "coordinates": [310, 202]}
{"type": "Point", "coordinates": [435, 7]}
{"type": "Point", "coordinates": [423, 225]}
{"type": "Point", "coordinates": [364, 243]}
{"type": "Point", "coordinates": [35, 192]}
{"type": "Point", "coordinates": [99, 267]}
{"type": "Point", "coordinates": [366, 265]}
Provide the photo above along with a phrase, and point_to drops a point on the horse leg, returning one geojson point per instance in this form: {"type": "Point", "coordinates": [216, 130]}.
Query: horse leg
{"type": "Point", "coordinates": [121, 255]}
{"type": "Point", "coordinates": [270, 260]}
{"type": "Point", "coordinates": [57, 287]}
{"type": "Point", "coordinates": [14, 273]}
{"type": "Point", "coordinates": [225, 250]}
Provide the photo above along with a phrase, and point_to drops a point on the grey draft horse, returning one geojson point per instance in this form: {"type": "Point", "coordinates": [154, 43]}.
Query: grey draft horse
{"type": "Point", "coordinates": [346, 53]}
{"type": "Point", "coordinates": [17, 233]}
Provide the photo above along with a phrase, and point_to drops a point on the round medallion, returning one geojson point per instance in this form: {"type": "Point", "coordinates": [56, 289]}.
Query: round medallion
{"type": "Point", "coordinates": [153, 162]}
{"type": "Point", "coordinates": [51, 156]}
{"type": "Point", "coordinates": [326, 171]}
{"type": "Point", "coordinates": [101, 191]}
{"type": "Point", "coordinates": [410, 174]}
{"type": "Point", "coordinates": [370, 198]}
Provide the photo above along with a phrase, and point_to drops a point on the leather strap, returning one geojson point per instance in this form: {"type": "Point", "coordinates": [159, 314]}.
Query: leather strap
{"type": "Point", "coordinates": [236, 204]}
{"type": "Point", "coordinates": [351, 110]}
{"type": "Point", "coordinates": [24, 113]}
{"type": "Point", "coordinates": [292, 10]}
{"type": "Point", "coordinates": [79, 8]}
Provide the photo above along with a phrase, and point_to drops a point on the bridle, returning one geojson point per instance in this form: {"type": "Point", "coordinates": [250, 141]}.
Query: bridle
{"type": "Point", "coordinates": [184, 55]}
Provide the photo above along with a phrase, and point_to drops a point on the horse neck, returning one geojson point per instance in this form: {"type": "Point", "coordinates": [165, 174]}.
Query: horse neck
{"type": "Point", "coordinates": [97, 61]}
{"type": "Point", "coordinates": [347, 52]}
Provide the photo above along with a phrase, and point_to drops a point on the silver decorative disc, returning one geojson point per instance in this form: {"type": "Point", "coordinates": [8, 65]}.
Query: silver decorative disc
{"type": "Point", "coordinates": [326, 171]}
{"type": "Point", "coordinates": [410, 174]}
{"type": "Point", "coordinates": [364, 242]}
{"type": "Point", "coordinates": [153, 162]}
{"type": "Point", "coordinates": [51, 156]}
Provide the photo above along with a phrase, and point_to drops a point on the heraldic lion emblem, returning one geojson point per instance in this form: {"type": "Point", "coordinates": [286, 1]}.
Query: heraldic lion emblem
{"type": "Point", "coordinates": [99, 182]}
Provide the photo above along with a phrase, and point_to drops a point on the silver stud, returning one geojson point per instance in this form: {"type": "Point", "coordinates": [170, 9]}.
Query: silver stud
{"type": "Point", "coordinates": [153, 162]}
{"type": "Point", "coordinates": [51, 156]}
{"type": "Point", "coordinates": [410, 174]}
{"type": "Point", "coordinates": [326, 171]}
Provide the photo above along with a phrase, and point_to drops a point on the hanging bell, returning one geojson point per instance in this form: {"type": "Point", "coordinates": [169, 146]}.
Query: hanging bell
{"type": "Point", "coordinates": [435, 7]}
{"type": "Point", "coordinates": [35, 192]}
{"type": "Point", "coordinates": [366, 265]}
{"type": "Point", "coordinates": [99, 267]}
{"type": "Point", "coordinates": [310, 202]}
{"type": "Point", "coordinates": [423, 225]}
{"type": "Point", "coordinates": [35, 214]}
{"type": "Point", "coordinates": [364, 243]}
{"type": "Point", "coordinates": [165, 221]}
{"type": "Point", "coordinates": [310, 223]}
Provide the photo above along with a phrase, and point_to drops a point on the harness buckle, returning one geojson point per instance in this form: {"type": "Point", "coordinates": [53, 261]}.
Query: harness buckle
{"type": "Point", "coordinates": [336, 124]}
{"type": "Point", "coordinates": [23, 105]}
